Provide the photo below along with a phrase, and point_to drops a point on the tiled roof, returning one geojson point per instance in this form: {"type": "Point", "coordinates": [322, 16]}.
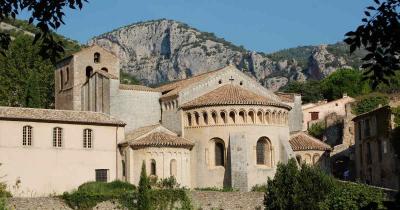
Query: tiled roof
{"type": "Point", "coordinates": [303, 141]}
{"type": "Point", "coordinates": [105, 74]}
{"type": "Point", "coordinates": [161, 139]}
{"type": "Point", "coordinates": [231, 95]}
{"type": "Point", "coordinates": [58, 116]}
{"type": "Point", "coordinates": [136, 133]}
{"type": "Point", "coordinates": [137, 87]}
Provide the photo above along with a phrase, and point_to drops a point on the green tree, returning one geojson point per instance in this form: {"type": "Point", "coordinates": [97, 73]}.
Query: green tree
{"type": "Point", "coordinates": [309, 90]}
{"type": "Point", "coordinates": [369, 102]}
{"type": "Point", "coordinates": [348, 81]}
{"type": "Point", "coordinates": [281, 190]}
{"type": "Point", "coordinates": [144, 190]}
{"type": "Point", "coordinates": [379, 36]}
{"type": "Point", "coordinates": [26, 79]}
{"type": "Point", "coordinates": [317, 130]}
{"type": "Point", "coordinates": [46, 15]}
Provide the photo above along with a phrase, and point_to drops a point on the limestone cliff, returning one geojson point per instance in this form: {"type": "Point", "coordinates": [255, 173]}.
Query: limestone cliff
{"type": "Point", "coordinates": [163, 50]}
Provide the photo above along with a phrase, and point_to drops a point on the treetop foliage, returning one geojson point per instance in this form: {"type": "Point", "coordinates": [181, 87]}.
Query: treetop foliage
{"type": "Point", "coordinates": [46, 15]}
{"type": "Point", "coordinates": [379, 35]}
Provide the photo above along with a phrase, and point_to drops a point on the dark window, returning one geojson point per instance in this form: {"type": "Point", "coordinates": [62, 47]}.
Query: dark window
{"type": "Point", "coordinates": [104, 69]}
{"type": "Point", "coordinates": [380, 150]}
{"type": "Point", "coordinates": [27, 135]}
{"type": "Point", "coordinates": [153, 170]}
{"type": "Point", "coordinates": [67, 75]}
{"type": "Point", "coordinates": [260, 151]}
{"type": "Point", "coordinates": [314, 115]}
{"type": "Point", "coordinates": [61, 80]}
{"type": "Point", "coordinates": [369, 154]}
{"type": "Point", "coordinates": [219, 154]}
{"type": "Point", "coordinates": [123, 168]}
{"type": "Point", "coordinates": [298, 158]}
{"type": "Point", "coordinates": [57, 137]}
{"type": "Point", "coordinates": [101, 175]}
{"type": "Point", "coordinates": [367, 129]}
{"type": "Point", "coordinates": [96, 57]}
{"type": "Point", "coordinates": [89, 71]}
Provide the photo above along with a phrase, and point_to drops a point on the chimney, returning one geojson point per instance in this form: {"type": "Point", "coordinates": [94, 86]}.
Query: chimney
{"type": "Point", "coordinates": [344, 95]}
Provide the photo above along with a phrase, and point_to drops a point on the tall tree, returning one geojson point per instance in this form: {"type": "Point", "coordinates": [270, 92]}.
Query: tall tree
{"type": "Point", "coordinates": [379, 35]}
{"type": "Point", "coordinates": [47, 15]}
{"type": "Point", "coordinates": [26, 79]}
{"type": "Point", "coordinates": [144, 188]}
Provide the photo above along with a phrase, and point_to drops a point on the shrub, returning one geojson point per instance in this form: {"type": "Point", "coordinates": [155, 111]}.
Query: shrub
{"type": "Point", "coordinates": [259, 188]}
{"type": "Point", "coordinates": [168, 183]}
{"type": "Point", "coordinates": [349, 196]}
{"type": "Point", "coordinates": [369, 102]}
{"type": "Point", "coordinates": [317, 130]}
{"type": "Point", "coordinates": [144, 188]}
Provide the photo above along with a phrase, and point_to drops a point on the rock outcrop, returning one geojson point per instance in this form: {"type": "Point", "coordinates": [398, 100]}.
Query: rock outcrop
{"type": "Point", "coordinates": [163, 50]}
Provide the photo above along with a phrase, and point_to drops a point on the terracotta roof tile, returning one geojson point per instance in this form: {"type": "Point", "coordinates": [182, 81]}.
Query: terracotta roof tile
{"type": "Point", "coordinates": [136, 133]}
{"type": "Point", "coordinates": [59, 116]}
{"type": "Point", "coordinates": [231, 95]}
{"type": "Point", "coordinates": [137, 87]}
{"type": "Point", "coordinates": [161, 139]}
{"type": "Point", "coordinates": [303, 141]}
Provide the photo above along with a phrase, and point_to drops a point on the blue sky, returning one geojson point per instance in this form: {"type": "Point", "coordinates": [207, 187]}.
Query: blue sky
{"type": "Point", "coordinates": [259, 25]}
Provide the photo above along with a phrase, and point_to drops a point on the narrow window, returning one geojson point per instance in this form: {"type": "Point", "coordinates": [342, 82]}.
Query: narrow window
{"type": "Point", "coordinates": [219, 154]}
{"type": "Point", "coordinates": [173, 168]}
{"type": "Point", "coordinates": [87, 138]}
{"type": "Point", "coordinates": [89, 71]}
{"type": "Point", "coordinates": [57, 137]}
{"type": "Point", "coordinates": [232, 117]}
{"type": "Point", "coordinates": [27, 135]}
{"type": "Point", "coordinates": [214, 117]}
{"type": "Point", "coordinates": [260, 117]}
{"type": "Point", "coordinates": [205, 118]}
{"type": "Point", "coordinates": [61, 79]}
{"type": "Point", "coordinates": [101, 175]}
{"type": "Point", "coordinates": [223, 117]}
{"type": "Point", "coordinates": [153, 170]}
{"type": "Point", "coordinates": [67, 75]}
{"type": "Point", "coordinates": [189, 119]}
{"type": "Point", "coordinates": [96, 57]}
{"type": "Point", "coordinates": [242, 117]}
{"type": "Point", "coordinates": [251, 115]}
{"type": "Point", "coordinates": [123, 165]}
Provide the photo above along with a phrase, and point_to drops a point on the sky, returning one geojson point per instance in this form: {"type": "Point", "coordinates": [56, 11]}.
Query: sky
{"type": "Point", "coordinates": [258, 25]}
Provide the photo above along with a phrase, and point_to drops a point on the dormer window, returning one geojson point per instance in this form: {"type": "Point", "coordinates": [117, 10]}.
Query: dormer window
{"type": "Point", "coordinates": [96, 57]}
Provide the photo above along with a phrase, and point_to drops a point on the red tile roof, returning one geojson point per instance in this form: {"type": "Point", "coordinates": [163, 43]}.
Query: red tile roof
{"type": "Point", "coordinates": [161, 139]}
{"type": "Point", "coordinates": [303, 141]}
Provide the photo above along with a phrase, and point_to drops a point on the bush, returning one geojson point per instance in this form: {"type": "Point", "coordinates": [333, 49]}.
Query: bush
{"type": "Point", "coordinates": [310, 188]}
{"type": "Point", "coordinates": [317, 130]}
{"type": "Point", "coordinates": [349, 196]}
{"type": "Point", "coordinates": [168, 183]}
{"type": "Point", "coordinates": [259, 188]}
{"type": "Point", "coordinates": [369, 102]}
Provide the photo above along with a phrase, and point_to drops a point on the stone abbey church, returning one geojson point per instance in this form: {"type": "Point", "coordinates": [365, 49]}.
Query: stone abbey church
{"type": "Point", "coordinates": [216, 129]}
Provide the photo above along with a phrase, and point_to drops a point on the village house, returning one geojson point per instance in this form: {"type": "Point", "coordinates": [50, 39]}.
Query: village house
{"type": "Point", "coordinates": [376, 162]}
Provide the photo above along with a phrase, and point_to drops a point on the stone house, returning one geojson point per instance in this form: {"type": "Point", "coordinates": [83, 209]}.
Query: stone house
{"type": "Point", "coordinates": [376, 161]}
{"type": "Point", "coordinates": [45, 151]}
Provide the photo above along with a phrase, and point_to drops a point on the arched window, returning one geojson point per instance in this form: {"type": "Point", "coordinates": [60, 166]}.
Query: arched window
{"type": "Point", "coordinates": [123, 165]}
{"type": "Point", "coordinates": [197, 118]}
{"type": "Point", "coordinates": [242, 118]}
{"type": "Point", "coordinates": [96, 57]}
{"type": "Point", "coordinates": [57, 137]}
{"type": "Point", "coordinates": [219, 152]}
{"type": "Point", "coordinates": [104, 69]}
{"type": "Point", "coordinates": [89, 71]}
{"type": "Point", "coordinates": [189, 119]}
{"type": "Point", "coordinates": [223, 117]}
{"type": "Point", "coordinates": [214, 117]}
{"type": "Point", "coordinates": [268, 117]}
{"type": "Point", "coordinates": [273, 117]}
{"type": "Point", "coordinates": [260, 117]}
{"type": "Point", "coordinates": [173, 168]}
{"type": "Point", "coordinates": [307, 158]}
{"type": "Point", "coordinates": [264, 152]}
{"type": "Point", "coordinates": [205, 118]}
{"type": "Point", "coordinates": [251, 117]}
{"type": "Point", "coordinates": [87, 138]}
{"type": "Point", "coordinates": [315, 158]}
{"type": "Point", "coordinates": [27, 135]}
{"type": "Point", "coordinates": [153, 169]}
{"type": "Point", "coordinates": [232, 117]}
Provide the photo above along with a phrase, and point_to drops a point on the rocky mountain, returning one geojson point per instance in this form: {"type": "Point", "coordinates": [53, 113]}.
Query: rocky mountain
{"type": "Point", "coordinates": [159, 51]}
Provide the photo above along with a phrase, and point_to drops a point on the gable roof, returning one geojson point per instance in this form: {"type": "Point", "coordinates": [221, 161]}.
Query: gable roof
{"type": "Point", "coordinates": [302, 141]}
{"type": "Point", "coordinates": [57, 116]}
{"type": "Point", "coordinates": [230, 94]}
{"type": "Point", "coordinates": [155, 136]}
{"type": "Point", "coordinates": [105, 74]}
